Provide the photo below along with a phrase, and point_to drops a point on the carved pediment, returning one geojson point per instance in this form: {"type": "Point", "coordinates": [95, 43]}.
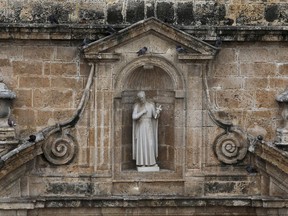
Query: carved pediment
{"type": "Point", "coordinates": [157, 36]}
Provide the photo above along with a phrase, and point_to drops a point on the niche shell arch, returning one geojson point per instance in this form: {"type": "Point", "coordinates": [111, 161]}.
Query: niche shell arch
{"type": "Point", "coordinates": [164, 64]}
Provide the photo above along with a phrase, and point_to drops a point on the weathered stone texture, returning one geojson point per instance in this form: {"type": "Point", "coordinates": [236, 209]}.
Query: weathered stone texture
{"type": "Point", "coordinates": [119, 12]}
{"type": "Point", "coordinates": [238, 86]}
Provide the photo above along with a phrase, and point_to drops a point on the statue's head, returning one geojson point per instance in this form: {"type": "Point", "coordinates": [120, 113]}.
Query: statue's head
{"type": "Point", "coordinates": [141, 96]}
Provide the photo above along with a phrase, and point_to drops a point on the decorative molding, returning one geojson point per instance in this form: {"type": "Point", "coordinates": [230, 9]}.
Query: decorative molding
{"type": "Point", "coordinates": [230, 147]}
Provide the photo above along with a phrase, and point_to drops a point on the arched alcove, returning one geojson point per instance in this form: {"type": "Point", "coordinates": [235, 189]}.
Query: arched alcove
{"type": "Point", "coordinates": [160, 81]}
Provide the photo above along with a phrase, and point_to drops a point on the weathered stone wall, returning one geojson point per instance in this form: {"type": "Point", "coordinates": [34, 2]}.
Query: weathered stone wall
{"type": "Point", "coordinates": [49, 78]}
{"type": "Point", "coordinates": [45, 66]}
{"type": "Point", "coordinates": [185, 12]}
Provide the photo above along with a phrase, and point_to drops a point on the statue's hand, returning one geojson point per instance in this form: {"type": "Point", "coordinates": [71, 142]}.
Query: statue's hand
{"type": "Point", "coordinates": [144, 111]}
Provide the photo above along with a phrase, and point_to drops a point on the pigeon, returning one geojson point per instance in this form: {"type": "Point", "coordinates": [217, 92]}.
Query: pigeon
{"type": "Point", "coordinates": [110, 30]}
{"type": "Point", "coordinates": [218, 42]}
{"type": "Point", "coordinates": [250, 169]}
{"type": "Point", "coordinates": [11, 123]}
{"type": "Point", "coordinates": [142, 51]}
{"type": "Point", "coordinates": [53, 19]}
{"type": "Point", "coordinates": [228, 21]}
{"type": "Point", "coordinates": [180, 49]}
{"type": "Point", "coordinates": [32, 138]}
{"type": "Point", "coordinates": [86, 41]}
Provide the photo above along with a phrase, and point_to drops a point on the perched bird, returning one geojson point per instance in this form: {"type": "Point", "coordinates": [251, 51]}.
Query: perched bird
{"type": "Point", "coordinates": [32, 138]}
{"type": "Point", "coordinates": [180, 49]}
{"type": "Point", "coordinates": [228, 21]}
{"type": "Point", "coordinates": [110, 30]}
{"type": "Point", "coordinates": [142, 51]}
{"type": "Point", "coordinates": [251, 170]}
{"type": "Point", "coordinates": [85, 42]}
{"type": "Point", "coordinates": [11, 123]}
{"type": "Point", "coordinates": [53, 19]}
{"type": "Point", "coordinates": [218, 42]}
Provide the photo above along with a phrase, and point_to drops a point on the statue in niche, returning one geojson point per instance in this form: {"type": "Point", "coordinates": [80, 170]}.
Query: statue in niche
{"type": "Point", "coordinates": [145, 133]}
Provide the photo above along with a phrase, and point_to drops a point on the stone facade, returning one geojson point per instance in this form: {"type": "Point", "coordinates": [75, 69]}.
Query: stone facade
{"type": "Point", "coordinates": [184, 12]}
{"type": "Point", "coordinates": [219, 117]}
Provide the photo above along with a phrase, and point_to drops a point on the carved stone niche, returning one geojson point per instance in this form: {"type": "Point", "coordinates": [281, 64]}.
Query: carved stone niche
{"type": "Point", "coordinates": [163, 74]}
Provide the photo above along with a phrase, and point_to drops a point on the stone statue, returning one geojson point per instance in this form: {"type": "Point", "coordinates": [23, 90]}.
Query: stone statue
{"type": "Point", "coordinates": [145, 132]}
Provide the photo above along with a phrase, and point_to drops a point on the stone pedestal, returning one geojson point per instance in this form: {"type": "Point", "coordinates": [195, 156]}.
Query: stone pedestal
{"type": "Point", "coordinates": [148, 169]}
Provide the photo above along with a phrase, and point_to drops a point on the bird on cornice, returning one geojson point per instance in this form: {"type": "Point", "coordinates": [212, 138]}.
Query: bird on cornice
{"type": "Point", "coordinates": [218, 42]}
{"type": "Point", "coordinates": [228, 21]}
{"type": "Point", "coordinates": [180, 49]}
{"type": "Point", "coordinates": [32, 138]}
{"type": "Point", "coordinates": [110, 30]}
{"type": "Point", "coordinates": [142, 51]}
{"type": "Point", "coordinates": [85, 42]}
{"type": "Point", "coordinates": [11, 123]}
{"type": "Point", "coordinates": [53, 19]}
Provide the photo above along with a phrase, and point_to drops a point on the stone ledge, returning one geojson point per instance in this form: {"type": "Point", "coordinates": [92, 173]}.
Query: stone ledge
{"type": "Point", "coordinates": [80, 31]}
{"type": "Point", "coordinates": [135, 201]}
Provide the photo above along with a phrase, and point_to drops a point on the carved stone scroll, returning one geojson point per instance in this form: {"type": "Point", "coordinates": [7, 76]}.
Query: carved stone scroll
{"type": "Point", "coordinates": [59, 150]}
{"type": "Point", "coordinates": [230, 147]}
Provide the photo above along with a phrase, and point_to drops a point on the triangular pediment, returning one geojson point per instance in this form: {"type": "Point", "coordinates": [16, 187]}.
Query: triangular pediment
{"type": "Point", "coordinates": [150, 32]}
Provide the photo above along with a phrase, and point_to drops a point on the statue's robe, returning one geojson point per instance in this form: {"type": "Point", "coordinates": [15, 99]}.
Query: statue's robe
{"type": "Point", "coordinates": [145, 133]}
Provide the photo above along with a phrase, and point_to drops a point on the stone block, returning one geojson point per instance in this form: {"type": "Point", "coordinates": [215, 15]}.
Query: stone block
{"type": "Point", "coordinates": [63, 69]}
{"type": "Point", "coordinates": [53, 98]}
{"type": "Point", "coordinates": [258, 69]}
{"type": "Point", "coordinates": [27, 68]}
{"type": "Point", "coordinates": [150, 8]}
{"type": "Point", "coordinates": [194, 70]}
{"type": "Point", "coordinates": [35, 82]}
{"type": "Point", "coordinates": [5, 62]}
{"type": "Point", "coordinates": [193, 148]}
{"type": "Point", "coordinates": [104, 83]}
{"type": "Point", "coordinates": [67, 54]}
{"type": "Point", "coordinates": [185, 13]}
{"type": "Point", "coordinates": [238, 99]}
{"type": "Point", "coordinates": [194, 118]}
{"type": "Point", "coordinates": [38, 53]}
{"type": "Point", "coordinates": [23, 99]}
{"type": "Point", "coordinates": [165, 11]}
{"type": "Point", "coordinates": [25, 117]}
{"type": "Point", "coordinates": [226, 56]}
{"type": "Point", "coordinates": [226, 83]}
{"type": "Point", "coordinates": [283, 70]}
{"type": "Point", "coordinates": [44, 118]}
{"type": "Point", "coordinates": [161, 188]}
{"type": "Point", "coordinates": [278, 83]}
{"type": "Point", "coordinates": [69, 188]}
{"type": "Point", "coordinates": [265, 99]}
{"type": "Point", "coordinates": [135, 11]}
{"type": "Point", "coordinates": [61, 115]}
{"type": "Point", "coordinates": [114, 13]}
{"type": "Point", "coordinates": [256, 54]}
{"type": "Point", "coordinates": [194, 186]}
{"type": "Point", "coordinates": [256, 83]}
{"type": "Point", "coordinates": [66, 83]}
{"type": "Point", "coordinates": [224, 70]}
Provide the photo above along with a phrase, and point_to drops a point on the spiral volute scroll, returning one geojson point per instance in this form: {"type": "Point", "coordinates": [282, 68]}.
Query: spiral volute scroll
{"type": "Point", "coordinates": [230, 147]}
{"type": "Point", "coordinates": [59, 150]}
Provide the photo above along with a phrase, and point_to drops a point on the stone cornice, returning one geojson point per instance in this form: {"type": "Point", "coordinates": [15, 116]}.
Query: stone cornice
{"type": "Point", "coordinates": [135, 202]}
{"type": "Point", "coordinates": [80, 31]}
